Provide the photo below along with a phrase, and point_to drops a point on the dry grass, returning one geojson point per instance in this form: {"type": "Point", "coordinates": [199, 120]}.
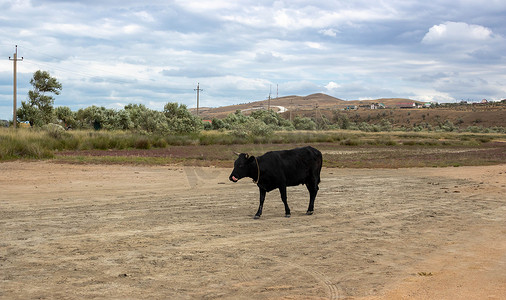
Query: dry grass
{"type": "Point", "coordinates": [341, 148]}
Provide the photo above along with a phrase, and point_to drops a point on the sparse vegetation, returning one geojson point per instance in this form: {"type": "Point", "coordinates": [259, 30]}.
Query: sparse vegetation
{"type": "Point", "coordinates": [370, 149]}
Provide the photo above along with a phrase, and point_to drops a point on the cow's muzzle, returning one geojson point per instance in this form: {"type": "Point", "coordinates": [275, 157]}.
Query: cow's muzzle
{"type": "Point", "coordinates": [233, 178]}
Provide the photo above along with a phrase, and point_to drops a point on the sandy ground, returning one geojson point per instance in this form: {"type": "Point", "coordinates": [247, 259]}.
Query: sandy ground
{"type": "Point", "coordinates": [170, 232]}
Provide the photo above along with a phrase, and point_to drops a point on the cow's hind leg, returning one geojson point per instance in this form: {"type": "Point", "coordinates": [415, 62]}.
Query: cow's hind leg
{"type": "Point", "coordinates": [282, 191]}
{"type": "Point", "coordinates": [313, 190]}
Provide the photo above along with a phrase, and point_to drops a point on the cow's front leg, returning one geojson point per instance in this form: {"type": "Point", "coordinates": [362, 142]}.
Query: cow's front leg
{"type": "Point", "coordinates": [282, 191]}
{"type": "Point", "coordinates": [262, 199]}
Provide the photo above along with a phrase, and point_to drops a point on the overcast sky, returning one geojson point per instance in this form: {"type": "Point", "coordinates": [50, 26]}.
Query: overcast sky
{"type": "Point", "coordinates": [111, 53]}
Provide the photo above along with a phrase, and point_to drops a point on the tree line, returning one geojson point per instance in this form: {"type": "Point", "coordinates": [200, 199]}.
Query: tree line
{"type": "Point", "coordinates": [39, 110]}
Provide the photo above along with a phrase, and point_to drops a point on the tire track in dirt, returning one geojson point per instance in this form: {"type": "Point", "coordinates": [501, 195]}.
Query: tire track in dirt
{"type": "Point", "coordinates": [333, 289]}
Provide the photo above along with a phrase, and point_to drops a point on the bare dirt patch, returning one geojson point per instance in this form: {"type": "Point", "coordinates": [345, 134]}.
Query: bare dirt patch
{"type": "Point", "coordinates": [172, 232]}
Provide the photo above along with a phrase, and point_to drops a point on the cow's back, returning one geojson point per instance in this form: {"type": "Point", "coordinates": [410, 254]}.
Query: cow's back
{"type": "Point", "coordinates": [295, 166]}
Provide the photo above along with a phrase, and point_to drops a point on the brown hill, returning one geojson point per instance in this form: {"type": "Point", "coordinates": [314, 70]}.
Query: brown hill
{"type": "Point", "coordinates": [399, 111]}
{"type": "Point", "coordinates": [297, 103]}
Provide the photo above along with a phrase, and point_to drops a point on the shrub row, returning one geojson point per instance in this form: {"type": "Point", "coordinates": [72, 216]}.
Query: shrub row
{"type": "Point", "coordinates": [43, 142]}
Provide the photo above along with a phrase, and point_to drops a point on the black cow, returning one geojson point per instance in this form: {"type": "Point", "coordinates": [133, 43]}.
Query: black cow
{"type": "Point", "coordinates": [279, 169]}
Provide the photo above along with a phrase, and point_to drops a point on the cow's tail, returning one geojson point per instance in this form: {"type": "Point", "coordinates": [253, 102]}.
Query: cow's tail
{"type": "Point", "coordinates": [319, 159]}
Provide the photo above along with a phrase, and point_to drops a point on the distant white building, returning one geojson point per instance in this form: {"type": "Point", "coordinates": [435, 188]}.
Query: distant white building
{"type": "Point", "coordinates": [378, 106]}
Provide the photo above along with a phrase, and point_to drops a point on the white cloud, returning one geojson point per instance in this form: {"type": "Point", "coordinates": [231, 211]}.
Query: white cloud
{"type": "Point", "coordinates": [215, 5]}
{"type": "Point", "coordinates": [457, 32]}
{"type": "Point", "coordinates": [332, 86]}
{"type": "Point", "coordinates": [144, 16]}
{"type": "Point", "coordinates": [297, 16]}
{"type": "Point", "coordinates": [314, 45]}
{"type": "Point", "coordinates": [329, 32]}
{"type": "Point", "coordinates": [132, 29]}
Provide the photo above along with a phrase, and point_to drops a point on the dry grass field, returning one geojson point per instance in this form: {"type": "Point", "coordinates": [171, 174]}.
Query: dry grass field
{"type": "Point", "coordinates": [81, 231]}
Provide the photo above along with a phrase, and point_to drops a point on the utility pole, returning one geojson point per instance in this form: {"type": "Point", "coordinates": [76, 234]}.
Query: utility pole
{"type": "Point", "coordinates": [14, 60]}
{"type": "Point", "coordinates": [198, 89]}
{"type": "Point", "coordinates": [269, 102]}
{"type": "Point", "coordinates": [291, 108]}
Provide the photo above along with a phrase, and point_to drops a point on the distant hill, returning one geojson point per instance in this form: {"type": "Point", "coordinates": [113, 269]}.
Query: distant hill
{"type": "Point", "coordinates": [297, 103]}
{"type": "Point", "coordinates": [317, 105]}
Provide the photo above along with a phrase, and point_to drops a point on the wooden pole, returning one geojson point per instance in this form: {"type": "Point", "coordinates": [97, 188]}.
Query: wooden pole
{"type": "Point", "coordinates": [14, 93]}
{"type": "Point", "coordinates": [198, 92]}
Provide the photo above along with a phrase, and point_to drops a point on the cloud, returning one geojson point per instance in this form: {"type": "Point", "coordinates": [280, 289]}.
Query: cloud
{"type": "Point", "coordinates": [192, 72]}
{"type": "Point", "coordinates": [457, 32]}
{"type": "Point", "coordinates": [486, 54]}
{"type": "Point", "coordinates": [465, 43]}
{"type": "Point", "coordinates": [332, 86]}
{"type": "Point", "coordinates": [329, 32]}
{"type": "Point", "coordinates": [266, 57]}
{"type": "Point", "coordinates": [428, 77]}
{"type": "Point", "coordinates": [462, 87]}
{"type": "Point", "coordinates": [314, 45]}
{"type": "Point", "coordinates": [360, 90]}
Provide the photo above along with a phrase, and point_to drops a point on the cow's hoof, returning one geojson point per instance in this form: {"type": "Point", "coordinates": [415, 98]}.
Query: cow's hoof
{"type": "Point", "coordinates": [309, 212]}
{"type": "Point", "coordinates": [288, 216]}
{"type": "Point", "coordinates": [256, 217]}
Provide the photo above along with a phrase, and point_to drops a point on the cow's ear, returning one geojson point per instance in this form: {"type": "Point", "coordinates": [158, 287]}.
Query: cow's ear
{"type": "Point", "coordinates": [251, 159]}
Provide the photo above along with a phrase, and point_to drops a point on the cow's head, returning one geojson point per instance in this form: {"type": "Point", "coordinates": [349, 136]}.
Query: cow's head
{"type": "Point", "coordinates": [243, 166]}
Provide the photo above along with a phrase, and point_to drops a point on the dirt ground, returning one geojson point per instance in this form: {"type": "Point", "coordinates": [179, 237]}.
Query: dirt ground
{"type": "Point", "coordinates": [170, 232]}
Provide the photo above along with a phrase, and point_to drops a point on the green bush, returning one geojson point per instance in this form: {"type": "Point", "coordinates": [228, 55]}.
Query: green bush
{"type": "Point", "coordinates": [143, 143]}
{"type": "Point", "coordinates": [368, 127]}
{"type": "Point", "coordinates": [448, 126]}
{"type": "Point", "coordinates": [351, 142]}
{"type": "Point", "coordinates": [273, 119]}
{"type": "Point", "coordinates": [180, 120]}
{"type": "Point", "coordinates": [385, 125]}
{"type": "Point", "coordinates": [304, 123]}
{"type": "Point", "coordinates": [218, 124]}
